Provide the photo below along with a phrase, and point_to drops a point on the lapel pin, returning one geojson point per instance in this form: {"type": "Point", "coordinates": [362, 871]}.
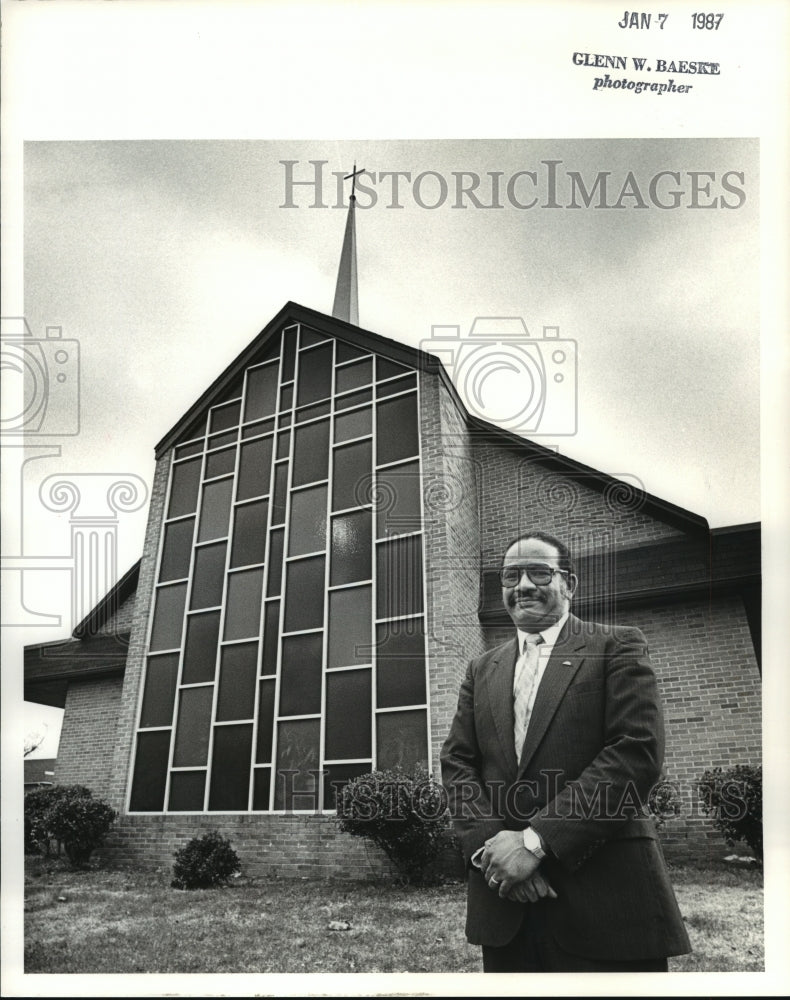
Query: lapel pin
{"type": "Point", "coordinates": [566, 663]}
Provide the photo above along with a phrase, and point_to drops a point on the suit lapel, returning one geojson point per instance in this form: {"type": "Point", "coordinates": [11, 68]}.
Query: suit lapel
{"type": "Point", "coordinates": [499, 687]}
{"type": "Point", "coordinates": [565, 660]}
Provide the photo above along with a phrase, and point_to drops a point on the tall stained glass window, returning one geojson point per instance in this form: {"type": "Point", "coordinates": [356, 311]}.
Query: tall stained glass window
{"type": "Point", "coordinates": [287, 645]}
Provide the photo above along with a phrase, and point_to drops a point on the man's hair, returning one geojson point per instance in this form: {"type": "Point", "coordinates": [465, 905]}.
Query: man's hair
{"type": "Point", "coordinates": [564, 557]}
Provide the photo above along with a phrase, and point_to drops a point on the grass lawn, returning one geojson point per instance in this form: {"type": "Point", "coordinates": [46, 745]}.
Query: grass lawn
{"type": "Point", "coordinates": [109, 920]}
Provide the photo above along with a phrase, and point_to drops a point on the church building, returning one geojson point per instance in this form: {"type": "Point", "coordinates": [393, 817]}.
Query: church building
{"type": "Point", "coordinates": [320, 564]}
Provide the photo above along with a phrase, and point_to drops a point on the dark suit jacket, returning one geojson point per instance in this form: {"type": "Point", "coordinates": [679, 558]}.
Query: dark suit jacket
{"type": "Point", "coordinates": [593, 750]}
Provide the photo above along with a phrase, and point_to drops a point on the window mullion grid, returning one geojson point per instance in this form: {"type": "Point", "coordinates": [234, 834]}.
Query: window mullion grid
{"type": "Point", "coordinates": [187, 598]}
{"type": "Point", "coordinates": [222, 613]}
{"type": "Point", "coordinates": [374, 594]}
{"type": "Point", "coordinates": [319, 801]}
{"type": "Point", "coordinates": [266, 561]}
{"type": "Point", "coordinates": [286, 528]}
{"type": "Point", "coordinates": [423, 561]}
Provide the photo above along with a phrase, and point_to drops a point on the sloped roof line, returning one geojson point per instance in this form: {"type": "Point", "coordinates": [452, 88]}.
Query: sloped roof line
{"type": "Point", "coordinates": [293, 312]}
{"type": "Point", "coordinates": [112, 600]}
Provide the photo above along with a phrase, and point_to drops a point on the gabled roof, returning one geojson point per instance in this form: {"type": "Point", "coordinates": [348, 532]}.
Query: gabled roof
{"type": "Point", "coordinates": [479, 429]}
{"type": "Point", "coordinates": [109, 604]}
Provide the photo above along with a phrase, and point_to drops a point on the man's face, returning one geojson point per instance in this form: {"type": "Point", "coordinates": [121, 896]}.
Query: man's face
{"type": "Point", "coordinates": [534, 607]}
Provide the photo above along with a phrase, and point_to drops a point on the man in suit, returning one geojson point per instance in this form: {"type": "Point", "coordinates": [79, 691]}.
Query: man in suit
{"type": "Point", "coordinates": [556, 743]}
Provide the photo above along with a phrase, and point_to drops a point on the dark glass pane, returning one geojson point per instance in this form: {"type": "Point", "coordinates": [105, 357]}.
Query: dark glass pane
{"type": "Point", "coordinates": [356, 424]}
{"type": "Point", "coordinates": [192, 729]}
{"type": "Point", "coordinates": [297, 754]}
{"type": "Point", "coordinates": [208, 576]}
{"type": "Point", "coordinates": [397, 385]}
{"type": "Point", "coordinates": [310, 337]}
{"type": "Point", "coordinates": [300, 674]}
{"type": "Point", "coordinates": [220, 440]}
{"type": "Point", "coordinates": [347, 352]}
{"type": "Point", "coordinates": [311, 453]}
{"type": "Point", "coordinates": [338, 776]}
{"type": "Point", "coordinates": [353, 399]}
{"type": "Point", "coordinates": [308, 521]}
{"type": "Point", "coordinates": [187, 790]}
{"type": "Point", "coordinates": [400, 664]}
{"type": "Point", "coordinates": [238, 675]}
{"type": "Point", "coordinates": [311, 412]}
{"type": "Point", "coordinates": [354, 376]}
{"type": "Point", "coordinates": [350, 627]}
{"type": "Point", "coordinates": [280, 493]}
{"type": "Point", "coordinates": [271, 637]}
{"type": "Point", "coordinates": [270, 351]}
{"type": "Point", "coordinates": [348, 715]}
{"type": "Point", "coordinates": [315, 375]}
{"type": "Point", "coordinates": [287, 397]}
{"type": "Point", "coordinates": [274, 583]}
{"type": "Point", "coordinates": [215, 511]}
{"type": "Point", "coordinates": [399, 577]}
{"type": "Point", "coordinates": [263, 753]}
{"type": "Point", "coordinates": [230, 768]}
{"type": "Point", "coordinates": [283, 444]}
{"type": "Point", "coordinates": [353, 480]}
{"type": "Point", "coordinates": [289, 352]}
{"type": "Point", "coordinates": [261, 786]}
{"type": "Point", "coordinates": [193, 448]}
{"type": "Point", "coordinates": [402, 740]}
{"type": "Point", "coordinates": [249, 533]}
{"type": "Point", "coordinates": [150, 772]}
{"type": "Point", "coordinates": [176, 550]}
{"type": "Point", "coordinates": [396, 429]}
{"type": "Point", "coordinates": [184, 488]}
{"type": "Point", "coordinates": [218, 463]}
{"type": "Point", "coordinates": [304, 594]}
{"type": "Point", "coordinates": [168, 617]}
{"type": "Point", "coordinates": [255, 430]}
{"type": "Point", "coordinates": [398, 496]}
{"type": "Point", "coordinates": [261, 392]}
{"type": "Point", "coordinates": [223, 417]}
{"type": "Point", "coordinates": [243, 608]}
{"type": "Point", "coordinates": [160, 691]}
{"type": "Point", "coordinates": [388, 369]}
{"type": "Point", "coordinates": [200, 654]}
{"type": "Point", "coordinates": [255, 468]}
{"type": "Point", "coordinates": [351, 547]}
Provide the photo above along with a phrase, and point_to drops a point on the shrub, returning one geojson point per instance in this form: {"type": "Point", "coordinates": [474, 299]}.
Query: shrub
{"type": "Point", "coordinates": [69, 814]}
{"type": "Point", "coordinates": [204, 862]}
{"type": "Point", "coordinates": [403, 814]}
{"type": "Point", "coordinates": [734, 798]}
{"type": "Point", "coordinates": [663, 802]}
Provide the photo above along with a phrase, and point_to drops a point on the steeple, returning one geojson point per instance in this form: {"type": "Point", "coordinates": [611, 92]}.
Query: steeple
{"type": "Point", "coordinates": [346, 304]}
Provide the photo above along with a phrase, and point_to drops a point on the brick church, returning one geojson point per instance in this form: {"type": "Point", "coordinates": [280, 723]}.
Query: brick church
{"type": "Point", "coordinates": [320, 564]}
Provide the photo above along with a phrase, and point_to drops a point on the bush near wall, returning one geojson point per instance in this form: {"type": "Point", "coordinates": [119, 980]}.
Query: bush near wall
{"type": "Point", "coordinates": [734, 799]}
{"type": "Point", "coordinates": [70, 815]}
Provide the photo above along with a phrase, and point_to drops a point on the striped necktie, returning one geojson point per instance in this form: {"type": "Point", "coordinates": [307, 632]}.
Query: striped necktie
{"type": "Point", "coordinates": [523, 686]}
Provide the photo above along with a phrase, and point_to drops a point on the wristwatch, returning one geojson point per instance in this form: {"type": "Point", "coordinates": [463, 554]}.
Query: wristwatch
{"type": "Point", "coordinates": [533, 844]}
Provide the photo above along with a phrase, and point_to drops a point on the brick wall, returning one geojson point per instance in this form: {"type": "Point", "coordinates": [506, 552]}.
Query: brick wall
{"type": "Point", "coordinates": [520, 493]}
{"type": "Point", "coordinates": [121, 620]}
{"type": "Point", "coordinates": [127, 711]}
{"type": "Point", "coordinates": [89, 734]}
{"type": "Point", "coordinates": [451, 483]}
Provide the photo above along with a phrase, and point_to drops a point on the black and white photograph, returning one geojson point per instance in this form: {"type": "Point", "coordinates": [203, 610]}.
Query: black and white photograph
{"type": "Point", "coordinates": [391, 442]}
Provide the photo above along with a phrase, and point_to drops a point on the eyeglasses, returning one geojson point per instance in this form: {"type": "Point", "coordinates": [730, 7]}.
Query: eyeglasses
{"type": "Point", "coordinates": [538, 573]}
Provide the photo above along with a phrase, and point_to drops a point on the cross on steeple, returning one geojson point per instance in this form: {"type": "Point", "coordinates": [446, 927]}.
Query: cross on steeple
{"type": "Point", "coordinates": [353, 178]}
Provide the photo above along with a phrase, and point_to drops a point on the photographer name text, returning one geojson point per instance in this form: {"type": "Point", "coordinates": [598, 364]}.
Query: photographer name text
{"type": "Point", "coordinates": [639, 64]}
